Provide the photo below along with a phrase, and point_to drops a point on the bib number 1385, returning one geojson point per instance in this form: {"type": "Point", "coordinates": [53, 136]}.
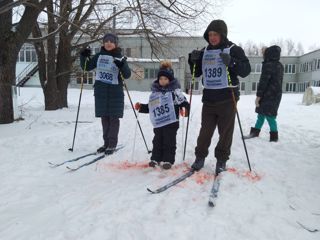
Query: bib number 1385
{"type": "Point", "coordinates": [158, 111]}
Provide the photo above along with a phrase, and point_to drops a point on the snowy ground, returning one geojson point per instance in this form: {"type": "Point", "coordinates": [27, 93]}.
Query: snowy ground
{"type": "Point", "coordinates": [108, 200]}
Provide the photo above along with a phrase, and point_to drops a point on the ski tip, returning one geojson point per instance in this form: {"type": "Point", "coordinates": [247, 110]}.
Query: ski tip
{"type": "Point", "coordinates": [53, 165]}
{"type": "Point", "coordinates": [70, 169]}
{"type": "Point", "coordinates": [150, 191]}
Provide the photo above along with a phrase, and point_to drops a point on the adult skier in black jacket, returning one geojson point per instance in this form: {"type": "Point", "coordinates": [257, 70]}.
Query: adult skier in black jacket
{"type": "Point", "coordinates": [220, 64]}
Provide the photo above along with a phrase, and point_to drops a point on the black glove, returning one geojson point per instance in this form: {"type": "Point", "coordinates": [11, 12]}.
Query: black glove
{"type": "Point", "coordinates": [86, 52]}
{"type": "Point", "coordinates": [195, 56]}
{"type": "Point", "coordinates": [120, 61]}
{"type": "Point", "coordinates": [226, 58]}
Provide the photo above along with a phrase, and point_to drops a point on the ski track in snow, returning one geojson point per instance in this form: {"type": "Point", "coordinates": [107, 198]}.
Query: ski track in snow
{"type": "Point", "coordinates": [109, 200]}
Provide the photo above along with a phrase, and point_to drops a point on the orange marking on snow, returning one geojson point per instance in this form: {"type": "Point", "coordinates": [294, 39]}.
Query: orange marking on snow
{"type": "Point", "coordinates": [232, 170]}
{"type": "Point", "coordinates": [125, 165]}
{"type": "Point", "coordinates": [252, 176]}
{"type": "Point", "coordinates": [202, 177]}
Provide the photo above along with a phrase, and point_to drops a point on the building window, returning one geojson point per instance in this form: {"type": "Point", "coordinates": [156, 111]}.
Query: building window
{"type": "Point", "coordinates": [87, 79]}
{"type": "Point", "coordinates": [258, 68]}
{"type": "Point", "coordinates": [303, 86]}
{"type": "Point", "coordinates": [96, 50]}
{"type": "Point", "coordinates": [128, 52]}
{"type": "Point", "coordinates": [21, 56]}
{"type": "Point", "coordinates": [318, 65]}
{"type": "Point", "coordinates": [316, 83]}
{"type": "Point", "coordinates": [242, 86]}
{"type": "Point", "coordinates": [290, 68]}
{"type": "Point", "coordinates": [27, 54]}
{"type": "Point", "coordinates": [254, 86]}
{"type": "Point", "coordinates": [150, 73]}
{"type": "Point", "coordinates": [253, 68]}
{"type": "Point", "coordinates": [290, 87]}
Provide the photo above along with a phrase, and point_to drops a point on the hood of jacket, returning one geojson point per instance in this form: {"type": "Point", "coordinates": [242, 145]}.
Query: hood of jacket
{"type": "Point", "coordinates": [272, 53]}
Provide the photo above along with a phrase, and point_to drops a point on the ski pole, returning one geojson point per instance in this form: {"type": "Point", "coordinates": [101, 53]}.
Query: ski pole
{"type": "Point", "coordinates": [134, 139]}
{"type": "Point", "coordinates": [238, 118]}
{"type": "Point", "coordinates": [81, 87]}
{"type": "Point", "coordinates": [135, 114]}
{"type": "Point", "coordinates": [182, 136]}
{"type": "Point", "coordinates": [187, 128]}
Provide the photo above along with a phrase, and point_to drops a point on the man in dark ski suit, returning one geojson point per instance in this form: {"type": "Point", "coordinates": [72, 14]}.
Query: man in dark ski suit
{"type": "Point", "coordinates": [219, 64]}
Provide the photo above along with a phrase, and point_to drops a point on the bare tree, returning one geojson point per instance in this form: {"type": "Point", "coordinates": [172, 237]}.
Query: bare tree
{"type": "Point", "coordinates": [290, 45]}
{"type": "Point", "coordinates": [12, 37]}
{"type": "Point", "coordinates": [251, 49]}
{"type": "Point", "coordinates": [299, 50]}
{"type": "Point", "coordinates": [74, 24]}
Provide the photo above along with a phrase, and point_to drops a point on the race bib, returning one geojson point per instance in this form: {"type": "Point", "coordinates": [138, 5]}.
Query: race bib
{"type": "Point", "coordinates": [161, 109]}
{"type": "Point", "coordinates": [107, 71]}
{"type": "Point", "coordinates": [214, 71]}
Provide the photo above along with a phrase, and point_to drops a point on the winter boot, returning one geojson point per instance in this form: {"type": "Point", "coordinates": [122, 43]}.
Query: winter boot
{"type": "Point", "coordinates": [101, 149]}
{"type": "Point", "coordinates": [198, 164]}
{"type": "Point", "coordinates": [109, 151]}
{"type": "Point", "coordinates": [153, 163]}
{"type": "Point", "coordinates": [274, 137]}
{"type": "Point", "coordinates": [166, 165]}
{"type": "Point", "coordinates": [220, 166]}
{"type": "Point", "coordinates": [254, 132]}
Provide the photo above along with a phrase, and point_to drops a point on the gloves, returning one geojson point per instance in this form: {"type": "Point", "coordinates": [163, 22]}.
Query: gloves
{"type": "Point", "coordinates": [86, 52]}
{"type": "Point", "coordinates": [257, 101]}
{"type": "Point", "coordinates": [194, 56]}
{"type": "Point", "coordinates": [183, 112]}
{"type": "Point", "coordinates": [120, 61]}
{"type": "Point", "coordinates": [137, 106]}
{"type": "Point", "coordinates": [226, 58]}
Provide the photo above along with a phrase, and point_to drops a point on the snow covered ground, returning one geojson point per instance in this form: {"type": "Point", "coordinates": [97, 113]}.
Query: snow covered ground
{"type": "Point", "coordinates": [108, 200]}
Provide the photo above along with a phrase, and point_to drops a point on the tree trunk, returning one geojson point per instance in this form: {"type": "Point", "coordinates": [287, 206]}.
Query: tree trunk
{"type": "Point", "coordinates": [7, 69]}
{"type": "Point", "coordinates": [64, 68]}
{"type": "Point", "coordinates": [64, 64]}
{"type": "Point", "coordinates": [50, 89]}
{"type": "Point", "coordinates": [7, 75]}
{"type": "Point", "coordinates": [11, 39]}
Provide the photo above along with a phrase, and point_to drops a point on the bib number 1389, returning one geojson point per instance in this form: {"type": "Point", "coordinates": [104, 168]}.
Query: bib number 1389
{"type": "Point", "coordinates": [213, 72]}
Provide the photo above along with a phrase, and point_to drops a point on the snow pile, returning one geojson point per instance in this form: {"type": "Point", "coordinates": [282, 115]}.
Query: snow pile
{"type": "Point", "coordinates": [311, 96]}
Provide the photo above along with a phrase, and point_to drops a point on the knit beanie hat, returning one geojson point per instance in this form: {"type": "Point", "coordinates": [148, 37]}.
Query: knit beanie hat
{"type": "Point", "coordinates": [112, 38]}
{"type": "Point", "coordinates": [218, 26]}
{"type": "Point", "coordinates": [166, 70]}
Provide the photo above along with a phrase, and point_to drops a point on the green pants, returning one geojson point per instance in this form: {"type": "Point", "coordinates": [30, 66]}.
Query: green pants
{"type": "Point", "coordinates": [271, 121]}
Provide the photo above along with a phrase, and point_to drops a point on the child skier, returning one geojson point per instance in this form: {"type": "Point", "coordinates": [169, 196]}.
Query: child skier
{"type": "Point", "coordinates": [110, 66]}
{"type": "Point", "coordinates": [164, 104]}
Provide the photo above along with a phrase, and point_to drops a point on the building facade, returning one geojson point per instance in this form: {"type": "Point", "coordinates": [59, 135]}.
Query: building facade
{"type": "Point", "coordinates": [300, 71]}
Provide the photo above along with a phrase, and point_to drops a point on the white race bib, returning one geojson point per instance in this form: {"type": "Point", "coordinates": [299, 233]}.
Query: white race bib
{"type": "Point", "coordinates": [161, 109]}
{"type": "Point", "coordinates": [214, 71]}
{"type": "Point", "coordinates": [107, 71]}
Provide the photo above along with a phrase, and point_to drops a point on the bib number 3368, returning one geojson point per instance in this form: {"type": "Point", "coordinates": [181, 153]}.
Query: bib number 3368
{"type": "Point", "coordinates": [106, 76]}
